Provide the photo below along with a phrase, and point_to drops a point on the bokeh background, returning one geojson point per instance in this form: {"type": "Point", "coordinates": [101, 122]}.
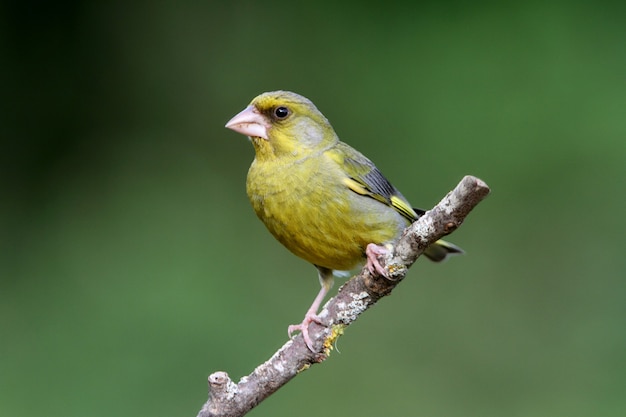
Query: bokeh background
{"type": "Point", "coordinates": [132, 265]}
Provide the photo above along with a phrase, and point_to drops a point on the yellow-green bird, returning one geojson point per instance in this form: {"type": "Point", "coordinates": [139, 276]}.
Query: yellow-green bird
{"type": "Point", "coordinates": [321, 198]}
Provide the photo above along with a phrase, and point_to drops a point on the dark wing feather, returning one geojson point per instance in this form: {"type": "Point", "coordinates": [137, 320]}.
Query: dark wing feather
{"type": "Point", "coordinates": [365, 179]}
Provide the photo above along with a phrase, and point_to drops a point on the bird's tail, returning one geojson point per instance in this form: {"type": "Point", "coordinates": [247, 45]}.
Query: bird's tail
{"type": "Point", "coordinates": [440, 250]}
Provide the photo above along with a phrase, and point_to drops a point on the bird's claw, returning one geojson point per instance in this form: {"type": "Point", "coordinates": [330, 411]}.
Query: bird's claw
{"type": "Point", "coordinates": [304, 328]}
{"type": "Point", "coordinates": [373, 265]}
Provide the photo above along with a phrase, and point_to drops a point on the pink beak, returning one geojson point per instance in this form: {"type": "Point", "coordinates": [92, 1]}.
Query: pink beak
{"type": "Point", "coordinates": [249, 122]}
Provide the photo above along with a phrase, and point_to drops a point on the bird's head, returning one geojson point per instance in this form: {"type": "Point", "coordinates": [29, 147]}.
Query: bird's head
{"type": "Point", "coordinates": [282, 123]}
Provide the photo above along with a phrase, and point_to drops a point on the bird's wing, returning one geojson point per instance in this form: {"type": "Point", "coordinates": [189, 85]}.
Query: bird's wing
{"type": "Point", "coordinates": [362, 177]}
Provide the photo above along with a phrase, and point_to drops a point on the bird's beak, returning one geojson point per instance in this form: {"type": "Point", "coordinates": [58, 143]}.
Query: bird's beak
{"type": "Point", "coordinates": [249, 122]}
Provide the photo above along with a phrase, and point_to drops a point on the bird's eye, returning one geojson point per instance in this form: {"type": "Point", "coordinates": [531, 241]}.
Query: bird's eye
{"type": "Point", "coordinates": [281, 112]}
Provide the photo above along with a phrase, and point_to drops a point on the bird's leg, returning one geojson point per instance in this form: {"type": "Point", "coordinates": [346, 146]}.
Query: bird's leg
{"type": "Point", "coordinates": [326, 280]}
{"type": "Point", "coordinates": [373, 251]}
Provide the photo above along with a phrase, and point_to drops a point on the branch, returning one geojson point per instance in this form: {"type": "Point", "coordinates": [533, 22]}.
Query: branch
{"type": "Point", "coordinates": [357, 295]}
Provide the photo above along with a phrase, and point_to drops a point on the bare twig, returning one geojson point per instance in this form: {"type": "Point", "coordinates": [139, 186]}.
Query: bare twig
{"type": "Point", "coordinates": [357, 295]}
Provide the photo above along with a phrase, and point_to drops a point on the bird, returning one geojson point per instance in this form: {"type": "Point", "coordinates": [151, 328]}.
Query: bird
{"type": "Point", "coordinates": [322, 199]}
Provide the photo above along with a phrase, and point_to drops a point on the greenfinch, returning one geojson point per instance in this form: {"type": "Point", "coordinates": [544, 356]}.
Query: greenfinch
{"type": "Point", "coordinates": [322, 199]}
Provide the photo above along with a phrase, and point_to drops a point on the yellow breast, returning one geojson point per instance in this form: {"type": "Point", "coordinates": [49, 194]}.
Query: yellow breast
{"type": "Point", "coordinates": [306, 206]}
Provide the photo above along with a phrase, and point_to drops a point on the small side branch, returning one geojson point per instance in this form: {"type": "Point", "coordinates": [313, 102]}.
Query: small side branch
{"type": "Point", "coordinates": [227, 398]}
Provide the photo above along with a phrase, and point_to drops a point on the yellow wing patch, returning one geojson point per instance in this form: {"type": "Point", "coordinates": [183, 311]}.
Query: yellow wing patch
{"type": "Point", "coordinates": [403, 208]}
{"type": "Point", "coordinates": [361, 189]}
{"type": "Point", "coordinates": [396, 202]}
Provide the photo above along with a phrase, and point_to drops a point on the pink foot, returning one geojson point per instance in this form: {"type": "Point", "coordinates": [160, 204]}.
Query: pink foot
{"type": "Point", "coordinates": [309, 317]}
{"type": "Point", "coordinates": [373, 252]}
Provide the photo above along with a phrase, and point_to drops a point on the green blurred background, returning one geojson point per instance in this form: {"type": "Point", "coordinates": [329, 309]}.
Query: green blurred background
{"type": "Point", "coordinates": [132, 265]}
